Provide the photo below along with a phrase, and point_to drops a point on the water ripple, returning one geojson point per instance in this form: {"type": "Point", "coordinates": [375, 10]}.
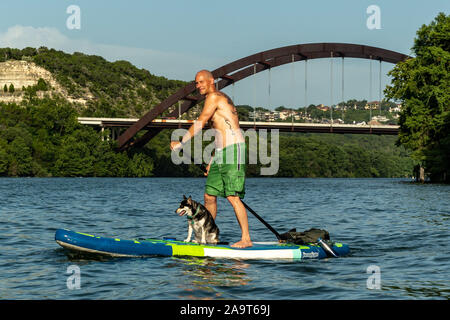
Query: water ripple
{"type": "Point", "coordinates": [400, 227]}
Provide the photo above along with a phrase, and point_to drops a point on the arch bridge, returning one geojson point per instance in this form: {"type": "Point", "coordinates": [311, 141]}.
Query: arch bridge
{"type": "Point", "coordinates": [249, 66]}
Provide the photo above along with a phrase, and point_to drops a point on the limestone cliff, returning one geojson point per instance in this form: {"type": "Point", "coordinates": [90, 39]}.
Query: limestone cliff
{"type": "Point", "coordinates": [21, 73]}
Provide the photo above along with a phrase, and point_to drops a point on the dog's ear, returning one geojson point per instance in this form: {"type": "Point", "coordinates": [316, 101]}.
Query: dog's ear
{"type": "Point", "coordinates": [189, 200]}
{"type": "Point", "coordinates": [184, 197]}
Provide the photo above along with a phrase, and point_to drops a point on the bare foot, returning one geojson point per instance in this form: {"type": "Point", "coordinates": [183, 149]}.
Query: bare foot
{"type": "Point", "coordinates": [242, 244]}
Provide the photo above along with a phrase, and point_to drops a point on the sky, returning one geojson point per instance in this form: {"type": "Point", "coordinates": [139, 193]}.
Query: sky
{"type": "Point", "coordinates": [176, 38]}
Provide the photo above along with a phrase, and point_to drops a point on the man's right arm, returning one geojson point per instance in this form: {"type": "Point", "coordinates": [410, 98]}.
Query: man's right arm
{"type": "Point", "coordinates": [208, 111]}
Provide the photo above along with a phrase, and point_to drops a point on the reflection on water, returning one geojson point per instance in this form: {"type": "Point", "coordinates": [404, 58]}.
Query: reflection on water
{"type": "Point", "coordinates": [205, 276]}
{"type": "Point", "coordinates": [80, 256]}
{"type": "Point", "coordinates": [431, 290]}
{"type": "Point", "coordinates": [200, 278]}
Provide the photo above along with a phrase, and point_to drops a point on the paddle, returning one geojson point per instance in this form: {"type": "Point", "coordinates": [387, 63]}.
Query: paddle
{"type": "Point", "coordinates": [328, 250]}
{"type": "Point", "coordinates": [203, 168]}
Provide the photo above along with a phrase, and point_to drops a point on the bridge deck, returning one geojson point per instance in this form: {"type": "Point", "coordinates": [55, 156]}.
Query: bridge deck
{"type": "Point", "coordinates": [281, 126]}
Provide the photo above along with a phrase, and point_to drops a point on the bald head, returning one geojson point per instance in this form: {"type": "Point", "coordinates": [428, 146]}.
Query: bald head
{"type": "Point", "coordinates": [205, 73]}
{"type": "Point", "coordinates": [204, 82]}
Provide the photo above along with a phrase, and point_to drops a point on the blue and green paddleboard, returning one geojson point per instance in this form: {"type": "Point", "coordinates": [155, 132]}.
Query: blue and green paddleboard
{"type": "Point", "coordinates": [88, 243]}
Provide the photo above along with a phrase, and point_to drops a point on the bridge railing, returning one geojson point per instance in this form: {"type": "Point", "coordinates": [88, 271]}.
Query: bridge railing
{"type": "Point", "coordinates": [245, 125]}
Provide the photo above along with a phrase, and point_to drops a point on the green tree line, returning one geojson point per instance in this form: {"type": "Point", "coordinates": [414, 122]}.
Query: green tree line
{"type": "Point", "coordinates": [43, 138]}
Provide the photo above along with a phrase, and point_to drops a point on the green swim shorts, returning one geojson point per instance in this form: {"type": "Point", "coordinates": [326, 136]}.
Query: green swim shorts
{"type": "Point", "coordinates": [226, 175]}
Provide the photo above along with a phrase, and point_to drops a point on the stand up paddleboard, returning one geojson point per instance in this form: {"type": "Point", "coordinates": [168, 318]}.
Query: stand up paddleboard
{"type": "Point", "coordinates": [115, 247]}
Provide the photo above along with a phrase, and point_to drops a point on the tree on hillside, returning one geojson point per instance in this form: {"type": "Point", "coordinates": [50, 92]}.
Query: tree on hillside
{"type": "Point", "coordinates": [41, 85]}
{"type": "Point", "coordinates": [421, 84]}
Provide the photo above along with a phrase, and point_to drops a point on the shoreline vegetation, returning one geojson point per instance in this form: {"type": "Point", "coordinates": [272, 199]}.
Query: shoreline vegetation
{"type": "Point", "coordinates": [40, 135]}
{"type": "Point", "coordinates": [42, 138]}
{"type": "Point", "coordinates": [422, 84]}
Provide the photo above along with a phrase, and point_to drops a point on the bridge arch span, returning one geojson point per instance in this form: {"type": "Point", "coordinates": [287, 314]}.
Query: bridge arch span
{"type": "Point", "coordinates": [248, 66]}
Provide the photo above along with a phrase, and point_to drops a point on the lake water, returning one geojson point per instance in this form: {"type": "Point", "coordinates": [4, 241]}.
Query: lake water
{"type": "Point", "coordinates": [399, 227]}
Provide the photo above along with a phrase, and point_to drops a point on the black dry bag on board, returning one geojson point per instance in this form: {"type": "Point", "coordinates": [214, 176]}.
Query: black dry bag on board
{"type": "Point", "coordinates": [305, 237]}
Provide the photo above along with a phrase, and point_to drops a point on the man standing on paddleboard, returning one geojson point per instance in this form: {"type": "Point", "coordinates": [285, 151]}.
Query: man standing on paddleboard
{"type": "Point", "coordinates": [226, 171]}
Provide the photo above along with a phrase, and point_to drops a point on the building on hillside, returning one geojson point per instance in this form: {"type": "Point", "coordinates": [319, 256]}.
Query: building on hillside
{"type": "Point", "coordinates": [395, 109]}
{"type": "Point", "coordinates": [256, 115]}
{"type": "Point", "coordinates": [372, 105]}
{"type": "Point", "coordinates": [283, 115]}
{"type": "Point", "coordinates": [322, 107]}
{"type": "Point", "coordinates": [380, 118]}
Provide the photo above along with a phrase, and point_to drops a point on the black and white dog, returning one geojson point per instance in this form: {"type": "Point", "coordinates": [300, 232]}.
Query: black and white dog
{"type": "Point", "coordinates": [200, 221]}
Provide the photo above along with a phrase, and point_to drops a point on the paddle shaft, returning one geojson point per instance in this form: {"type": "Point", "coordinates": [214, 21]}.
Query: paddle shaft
{"type": "Point", "coordinates": [268, 226]}
{"type": "Point", "coordinates": [262, 220]}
